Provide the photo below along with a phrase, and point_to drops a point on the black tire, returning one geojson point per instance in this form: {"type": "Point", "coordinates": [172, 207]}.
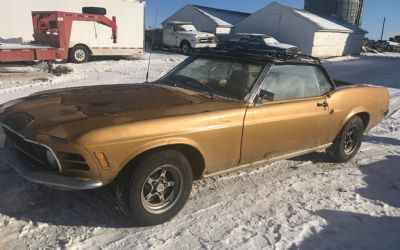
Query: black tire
{"type": "Point", "coordinates": [140, 188]}
{"type": "Point", "coordinates": [186, 48]}
{"type": "Point", "coordinates": [348, 142]}
{"type": "Point", "coordinates": [79, 54]}
{"type": "Point", "coordinates": [94, 10]}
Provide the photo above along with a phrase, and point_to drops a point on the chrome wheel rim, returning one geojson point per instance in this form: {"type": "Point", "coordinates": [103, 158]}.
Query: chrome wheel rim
{"type": "Point", "coordinates": [350, 141]}
{"type": "Point", "coordinates": [162, 189]}
{"type": "Point", "coordinates": [80, 55]}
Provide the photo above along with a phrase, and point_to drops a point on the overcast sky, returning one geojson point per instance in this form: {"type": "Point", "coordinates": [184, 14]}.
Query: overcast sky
{"type": "Point", "coordinates": [374, 11]}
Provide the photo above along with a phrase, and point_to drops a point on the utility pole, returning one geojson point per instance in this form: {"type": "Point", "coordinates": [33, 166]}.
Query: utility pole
{"type": "Point", "coordinates": [383, 27]}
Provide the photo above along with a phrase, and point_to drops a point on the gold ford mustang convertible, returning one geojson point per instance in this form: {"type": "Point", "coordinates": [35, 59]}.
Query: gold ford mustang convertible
{"type": "Point", "coordinates": [213, 113]}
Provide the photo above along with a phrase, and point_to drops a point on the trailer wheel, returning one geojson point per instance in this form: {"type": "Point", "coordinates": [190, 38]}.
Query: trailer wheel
{"type": "Point", "coordinates": [94, 10]}
{"type": "Point", "coordinates": [79, 54]}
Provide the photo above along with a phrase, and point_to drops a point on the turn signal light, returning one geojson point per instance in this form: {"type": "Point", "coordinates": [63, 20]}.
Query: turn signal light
{"type": "Point", "coordinates": [101, 157]}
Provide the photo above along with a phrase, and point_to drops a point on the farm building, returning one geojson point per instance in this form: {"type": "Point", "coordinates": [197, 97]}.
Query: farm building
{"type": "Point", "coordinates": [217, 21]}
{"type": "Point", "coordinates": [320, 36]}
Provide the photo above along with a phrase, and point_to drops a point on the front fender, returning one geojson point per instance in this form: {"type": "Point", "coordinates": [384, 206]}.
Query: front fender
{"type": "Point", "coordinates": [161, 143]}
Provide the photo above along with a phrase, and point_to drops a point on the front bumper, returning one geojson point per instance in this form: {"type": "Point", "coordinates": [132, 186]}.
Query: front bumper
{"type": "Point", "coordinates": [205, 45]}
{"type": "Point", "coordinates": [51, 179]}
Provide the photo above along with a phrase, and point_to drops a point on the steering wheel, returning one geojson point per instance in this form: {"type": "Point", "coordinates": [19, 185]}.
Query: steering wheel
{"type": "Point", "coordinates": [188, 80]}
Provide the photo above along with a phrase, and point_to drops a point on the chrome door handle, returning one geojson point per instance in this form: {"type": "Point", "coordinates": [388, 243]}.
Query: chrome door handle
{"type": "Point", "coordinates": [324, 104]}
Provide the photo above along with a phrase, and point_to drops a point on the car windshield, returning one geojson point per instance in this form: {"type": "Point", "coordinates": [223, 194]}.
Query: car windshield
{"type": "Point", "coordinates": [186, 27]}
{"type": "Point", "coordinates": [270, 40]}
{"type": "Point", "coordinates": [226, 78]}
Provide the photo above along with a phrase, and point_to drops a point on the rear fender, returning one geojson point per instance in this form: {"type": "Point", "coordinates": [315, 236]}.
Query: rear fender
{"type": "Point", "coordinates": [351, 114]}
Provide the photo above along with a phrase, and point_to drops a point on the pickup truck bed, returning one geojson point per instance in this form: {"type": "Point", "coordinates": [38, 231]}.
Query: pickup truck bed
{"type": "Point", "coordinates": [154, 38]}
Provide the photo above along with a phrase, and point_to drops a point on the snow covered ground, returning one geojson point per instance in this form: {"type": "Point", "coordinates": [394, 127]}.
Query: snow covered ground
{"type": "Point", "coordinates": [302, 203]}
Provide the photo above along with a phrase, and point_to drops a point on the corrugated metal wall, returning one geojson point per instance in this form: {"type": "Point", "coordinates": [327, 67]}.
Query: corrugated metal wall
{"type": "Point", "coordinates": [347, 10]}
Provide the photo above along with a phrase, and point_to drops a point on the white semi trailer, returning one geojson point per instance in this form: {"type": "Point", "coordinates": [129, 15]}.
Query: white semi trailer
{"type": "Point", "coordinates": [16, 25]}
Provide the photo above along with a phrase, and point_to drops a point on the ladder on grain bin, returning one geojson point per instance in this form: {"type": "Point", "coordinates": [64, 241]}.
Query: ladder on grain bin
{"type": "Point", "coordinates": [52, 33]}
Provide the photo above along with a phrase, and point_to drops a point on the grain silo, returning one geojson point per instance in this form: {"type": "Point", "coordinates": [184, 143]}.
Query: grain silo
{"type": "Point", "coordinates": [347, 10]}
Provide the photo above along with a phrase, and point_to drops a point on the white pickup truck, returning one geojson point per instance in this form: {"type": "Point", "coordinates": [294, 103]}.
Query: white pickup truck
{"type": "Point", "coordinates": [182, 35]}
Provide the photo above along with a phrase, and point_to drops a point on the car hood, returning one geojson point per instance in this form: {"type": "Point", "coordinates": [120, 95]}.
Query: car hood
{"type": "Point", "coordinates": [86, 108]}
{"type": "Point", "coordinates": [280, 45]}
{"type": "Point", "coordinates": [196, 34]}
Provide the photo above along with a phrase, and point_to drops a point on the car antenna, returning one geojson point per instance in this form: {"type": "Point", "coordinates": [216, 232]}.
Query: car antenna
{"type": "Point", "coordinates": [151, 49]}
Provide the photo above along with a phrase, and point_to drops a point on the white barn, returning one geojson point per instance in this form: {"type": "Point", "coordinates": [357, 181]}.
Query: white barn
{"type": "Point", "coordinates": [217, 21]}
{"type": "Point", "coordinates": [319, 36]}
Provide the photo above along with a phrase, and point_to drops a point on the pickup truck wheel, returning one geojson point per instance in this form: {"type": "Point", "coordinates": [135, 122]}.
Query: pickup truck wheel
{"type": "Point", "coordinates": [79, 54]}
{"type": "Point", "coordinates": [348, 142]}
{"type": "Point", "coordinates": [186, 49]}
{"type": "Point", "coordinates": [156, 189]}
{"type": "Point", "coordinates": [148, 45]}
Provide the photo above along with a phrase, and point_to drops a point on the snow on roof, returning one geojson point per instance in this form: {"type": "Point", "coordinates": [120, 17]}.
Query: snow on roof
{"type": "Point", "coordinates": [326, 22]}
{"type": "Point", "coordinates": [321, 22]}
{"type": "Point", "coordinates": [222, 17]}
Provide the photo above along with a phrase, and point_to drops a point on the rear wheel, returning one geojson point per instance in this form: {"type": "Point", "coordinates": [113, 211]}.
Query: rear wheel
{"type": "Point", "coordinates": [348, 142]}
{"type": "Point", "coordinates": [156, 189]}
{"type": "Point", "coordinates": [79, 54]}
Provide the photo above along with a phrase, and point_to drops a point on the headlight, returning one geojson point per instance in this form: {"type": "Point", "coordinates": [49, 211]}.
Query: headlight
{"type": "Point", "coordinates": [51, 159]}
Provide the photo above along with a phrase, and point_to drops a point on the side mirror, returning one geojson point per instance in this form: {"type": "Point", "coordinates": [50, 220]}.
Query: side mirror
{"type": "Point", "coordinates": [264, 95]}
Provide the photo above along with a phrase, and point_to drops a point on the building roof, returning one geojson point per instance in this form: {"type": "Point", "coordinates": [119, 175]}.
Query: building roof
{"type": "Point", "coordinates": [323, 22]}
{"type": "Point", "coordinates": [223, 18]}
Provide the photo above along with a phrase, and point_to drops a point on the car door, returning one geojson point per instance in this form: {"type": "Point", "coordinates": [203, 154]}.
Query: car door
{"type": "Point", "coordinates": [256, 44]}
{"type": "Point", "coordinates": [169, 35]}
{"type": "Point", "coordinates": [293, 119]}
{"type": "Point", "coordinates": [242, 44]}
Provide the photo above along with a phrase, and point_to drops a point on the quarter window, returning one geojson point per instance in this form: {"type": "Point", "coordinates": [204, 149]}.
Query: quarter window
{"type": "Point", "coordinates": [288, 82]}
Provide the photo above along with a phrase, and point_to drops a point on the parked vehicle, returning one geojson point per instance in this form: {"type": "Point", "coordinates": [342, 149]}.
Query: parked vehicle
{"type": "Point", "coordinates": [394, 46]}
{"type": "Point", "coordinates": [182, 35]}
{"type": "Point", "coordinates": [60, 35]}
{"type": "Point", "coordinates": [52, 31]}
{"type": "Point", "coordinates": [383, 45]}
{"type": "Point", "coordinates": [214, 113]}
{"type": "Point", "coordinates": [256, 42]}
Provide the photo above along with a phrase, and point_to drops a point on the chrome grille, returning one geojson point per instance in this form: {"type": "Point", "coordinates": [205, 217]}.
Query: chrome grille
{"type": "Point", "coordinates": [34, 154]}
{"type": "Point", "coordinates": [293, 50]}
{"type": "Point", "coordinates": [74, 162]}
{"type": "Point", "coordinates": [206, 40]}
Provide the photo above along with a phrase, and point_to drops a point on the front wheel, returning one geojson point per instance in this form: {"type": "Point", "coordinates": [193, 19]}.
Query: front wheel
{"type": "Point", "coordinates": [348, 142]}
{"type": "Point", "coordinates": [156, 189]}
{"type": "Point", "coordinates": [186, 49]}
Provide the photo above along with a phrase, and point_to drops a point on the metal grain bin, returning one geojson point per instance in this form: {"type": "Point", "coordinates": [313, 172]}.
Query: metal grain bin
{"type": "Point", "coordinates": [348, 10]}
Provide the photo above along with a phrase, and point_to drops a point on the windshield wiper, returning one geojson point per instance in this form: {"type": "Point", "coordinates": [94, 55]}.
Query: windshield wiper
{"type": "Point", "coordinates": [200, 88]}
{"type": "Point", "coordinates": [209, 90]}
